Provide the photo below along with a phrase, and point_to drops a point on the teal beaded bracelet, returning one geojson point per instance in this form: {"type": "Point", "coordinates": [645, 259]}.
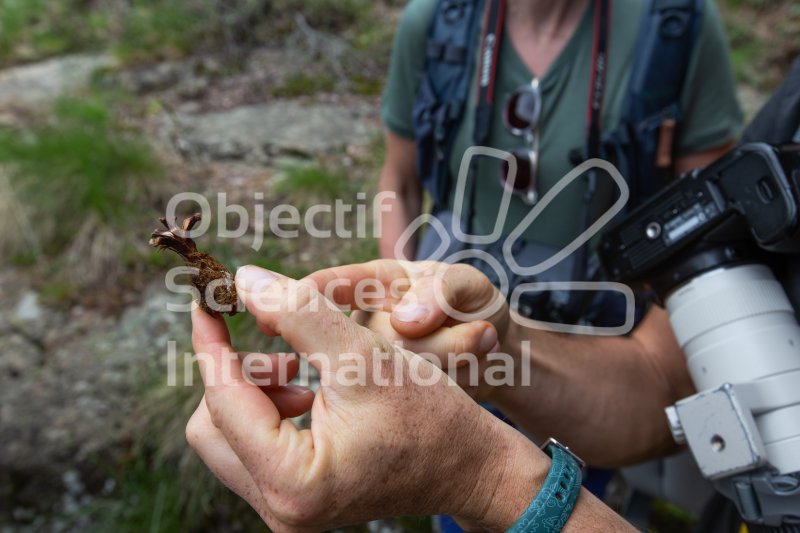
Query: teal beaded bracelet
{"type": "Point", "coordinates": [550, 509]}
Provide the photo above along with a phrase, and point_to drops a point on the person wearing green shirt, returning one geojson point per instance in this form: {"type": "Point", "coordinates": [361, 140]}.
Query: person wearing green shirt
{"type": "Point", "coordinates": [552, 42]}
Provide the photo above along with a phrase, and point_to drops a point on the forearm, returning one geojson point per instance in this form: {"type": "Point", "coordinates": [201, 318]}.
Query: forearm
{"type": "Point", "coordinates": [604, 397]}
{"type": "Point", "coordinates": [511, 477]}
{"type": "Point", "coordinates": [401, 210]}
{"type": "Point", "coordinates": [399, 177]}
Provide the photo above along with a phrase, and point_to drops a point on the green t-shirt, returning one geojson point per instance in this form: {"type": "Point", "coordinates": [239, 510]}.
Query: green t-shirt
{"type": "Point", "coordinates": [711, 113]}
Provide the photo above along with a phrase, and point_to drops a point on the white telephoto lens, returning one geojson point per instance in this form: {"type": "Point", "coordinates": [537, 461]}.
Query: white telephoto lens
{"type": "Point", "coordinates": [736, 325]}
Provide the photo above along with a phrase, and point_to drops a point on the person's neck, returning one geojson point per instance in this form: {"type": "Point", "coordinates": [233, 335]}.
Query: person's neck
{"type": "Point", "coordinates": [547, 19]}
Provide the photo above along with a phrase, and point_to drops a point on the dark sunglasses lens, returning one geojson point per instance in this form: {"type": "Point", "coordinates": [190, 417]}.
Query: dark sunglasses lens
{"type": "Point", "coordinates": [523, 179]}
{"type": "Point", "coordinates": [518, 110]}
{"type": "Point", "coordinates": [522, 109]}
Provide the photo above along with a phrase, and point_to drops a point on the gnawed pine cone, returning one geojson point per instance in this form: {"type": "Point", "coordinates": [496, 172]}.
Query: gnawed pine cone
{"type": "Point", "coordinates": [209, 270]}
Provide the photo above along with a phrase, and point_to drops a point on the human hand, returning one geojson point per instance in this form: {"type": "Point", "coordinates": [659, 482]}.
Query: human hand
{"type": "Point", "coordinates": [412, 444]}
{"type": "Point", "coordinates": [428, 308]}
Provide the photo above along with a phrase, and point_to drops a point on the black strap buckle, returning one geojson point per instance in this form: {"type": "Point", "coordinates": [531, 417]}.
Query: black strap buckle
{"type": "Point", "coordinates": [455, 10]}
{"type": "Point", "coordinates": [674, 23]}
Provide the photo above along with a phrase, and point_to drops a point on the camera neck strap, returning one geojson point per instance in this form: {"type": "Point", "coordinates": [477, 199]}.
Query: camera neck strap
{"type": "Point", "coordinates": [491, 40]}
{"type": "Point", "coordinates": [489, 53]}
{"type": "Point", "coordinates": [489, 49]}
{"type": "Point", "coordinates": [579, 300]}
{"type": "Point", "coordinates": [597, 84]}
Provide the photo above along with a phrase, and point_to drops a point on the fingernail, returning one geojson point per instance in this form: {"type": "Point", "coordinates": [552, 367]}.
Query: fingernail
{"type": "Point", "coordinates": [298, 390]}
{"type": "Point", "coordinates": [251, 278]}
{"type": "Point", "coordinates": [411, 312]}
{"type": "Point", "coordinates": [488, 340]}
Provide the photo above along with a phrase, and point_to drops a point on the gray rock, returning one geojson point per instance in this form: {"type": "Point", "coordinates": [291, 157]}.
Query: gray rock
{"type": "Point", "coordinates": [18, 358]}
{"type": "Point", "coordinates": [153, 78]}
{"type": "Point", "coordinates": [30, 319]}
{"type": "Point", "coordinates": [285, 127]}
{"type": "Point", "coordinates": [40, 83]}
{"type": "Point", "coordinates": [28, 307]}
{"type": "Point", "coordinates": [72, 481]}
{"type": "Point", "coordinates": [230, 150]}
{"type": "Point", "coordinates": [62, 409]}
{"type": "Point", "coordinates": [193, 88]}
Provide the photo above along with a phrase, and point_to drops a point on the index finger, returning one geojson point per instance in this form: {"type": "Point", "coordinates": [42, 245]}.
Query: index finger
{"type": "Point", "coordinates": [245, 415]}
{"type": "Point", "coordinates": [340, 284]}
{"type": "Point", "coordinates": [398, 287]}
{"type": "Point", "coordinates": [434, 294]}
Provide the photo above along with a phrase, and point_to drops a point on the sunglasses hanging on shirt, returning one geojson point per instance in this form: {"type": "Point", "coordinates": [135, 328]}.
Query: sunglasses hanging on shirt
{"type": "Point", "coordinates": [523, 112]}
{"type": "Point", "coordinates": [521, 115]}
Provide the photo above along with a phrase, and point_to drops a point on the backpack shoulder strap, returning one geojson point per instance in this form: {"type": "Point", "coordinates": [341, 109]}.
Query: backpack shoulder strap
{"type": "Point", "coordinates": [652, 110]}
{"type": "Point", "coordinates": [441, 97]}
{"type": "Point", "coordinates": [664, 48]}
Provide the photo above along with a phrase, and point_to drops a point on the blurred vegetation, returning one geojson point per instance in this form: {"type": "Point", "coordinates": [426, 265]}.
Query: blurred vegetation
{"type": "Point", "coordinates": [668, 518]}
{"type": "Point", "coordinates": [68, 176]}
{"type": "Point", "coordinates": [33, 29]}
{"type": "Point", "coordinates": [764, 37]}
{"type": "Point", "coordinates": [78, 164]}
{"type": "Point", "coordinates": [162, 486]}
{"type": "Point", "coordinates": [143, 30]}
{"type": "Point", "coordinates": [304, 84]}
{"type": "Point", "coordinates": [148, 30]}
{"type": "Point", "coordinates": [300, 181]}
{"type": "Point", "coordinates": [327, 14]}
{"type": "Point", "coordinates": [88, 148]}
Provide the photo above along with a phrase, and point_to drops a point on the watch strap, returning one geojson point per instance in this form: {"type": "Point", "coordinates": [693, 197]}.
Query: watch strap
{"type": "Point", "coordinates": [553, 504]}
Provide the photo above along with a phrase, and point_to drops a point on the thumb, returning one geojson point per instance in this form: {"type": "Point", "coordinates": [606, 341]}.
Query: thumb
{"type": "Point", "coordinates": [444, 295]}
{"type": "Point", "coordinates": [423, 309]}
{"type": "Point", "coordinates": [296, 311]}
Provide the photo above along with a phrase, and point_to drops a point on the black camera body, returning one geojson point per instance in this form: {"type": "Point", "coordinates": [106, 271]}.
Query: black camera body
{"type": "Point", "coordinates": [748, 200]}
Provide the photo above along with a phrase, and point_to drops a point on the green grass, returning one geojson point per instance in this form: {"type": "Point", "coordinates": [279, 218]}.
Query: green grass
{"type": "Point", "coordinates": [81, 163]}
{"type": "Point", "coordinates": [146, 499]}
{"type": "Point", "coordinates": [367, 86]}
{"type": "Point", "coordinates": [137, 31]}
{"type": "Point", "coordinates": [146, 30]}
{"type": "Point", "coordinates": [32, 29]}
{"type": "Point", "coordinates": [57, 292]}
{"type": "Point", "coordinates": [419, 524]}
{"type": "Point", "coordinates": [304, 84]}
{"type": "Point", "coordinates": [756, 4]}
{"type": "Point", "coordinates": [747, 52]}
{"type": "Point", "coordinates": [764, 37]}
{"type": "Point", "coordinates": [305, 180]}
{"type": "Point", "coordinates": [666, 517]}
{"type": "Point", "coordinates": [165, 29]}
{"type": "Point", "coordinates": [362, 250]}
{"type": "Point", "coordinates": [24, 258]}
{"type": "Point", "coordinates": [328, 15]}
{"type": "Point", "coordinates": [235, 254]}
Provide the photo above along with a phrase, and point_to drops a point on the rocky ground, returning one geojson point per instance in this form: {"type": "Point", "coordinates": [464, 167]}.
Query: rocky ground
{"type": "Point", "coordinates": [68, 380]}
{"type": "Point", "coordinates": [71, 376]}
